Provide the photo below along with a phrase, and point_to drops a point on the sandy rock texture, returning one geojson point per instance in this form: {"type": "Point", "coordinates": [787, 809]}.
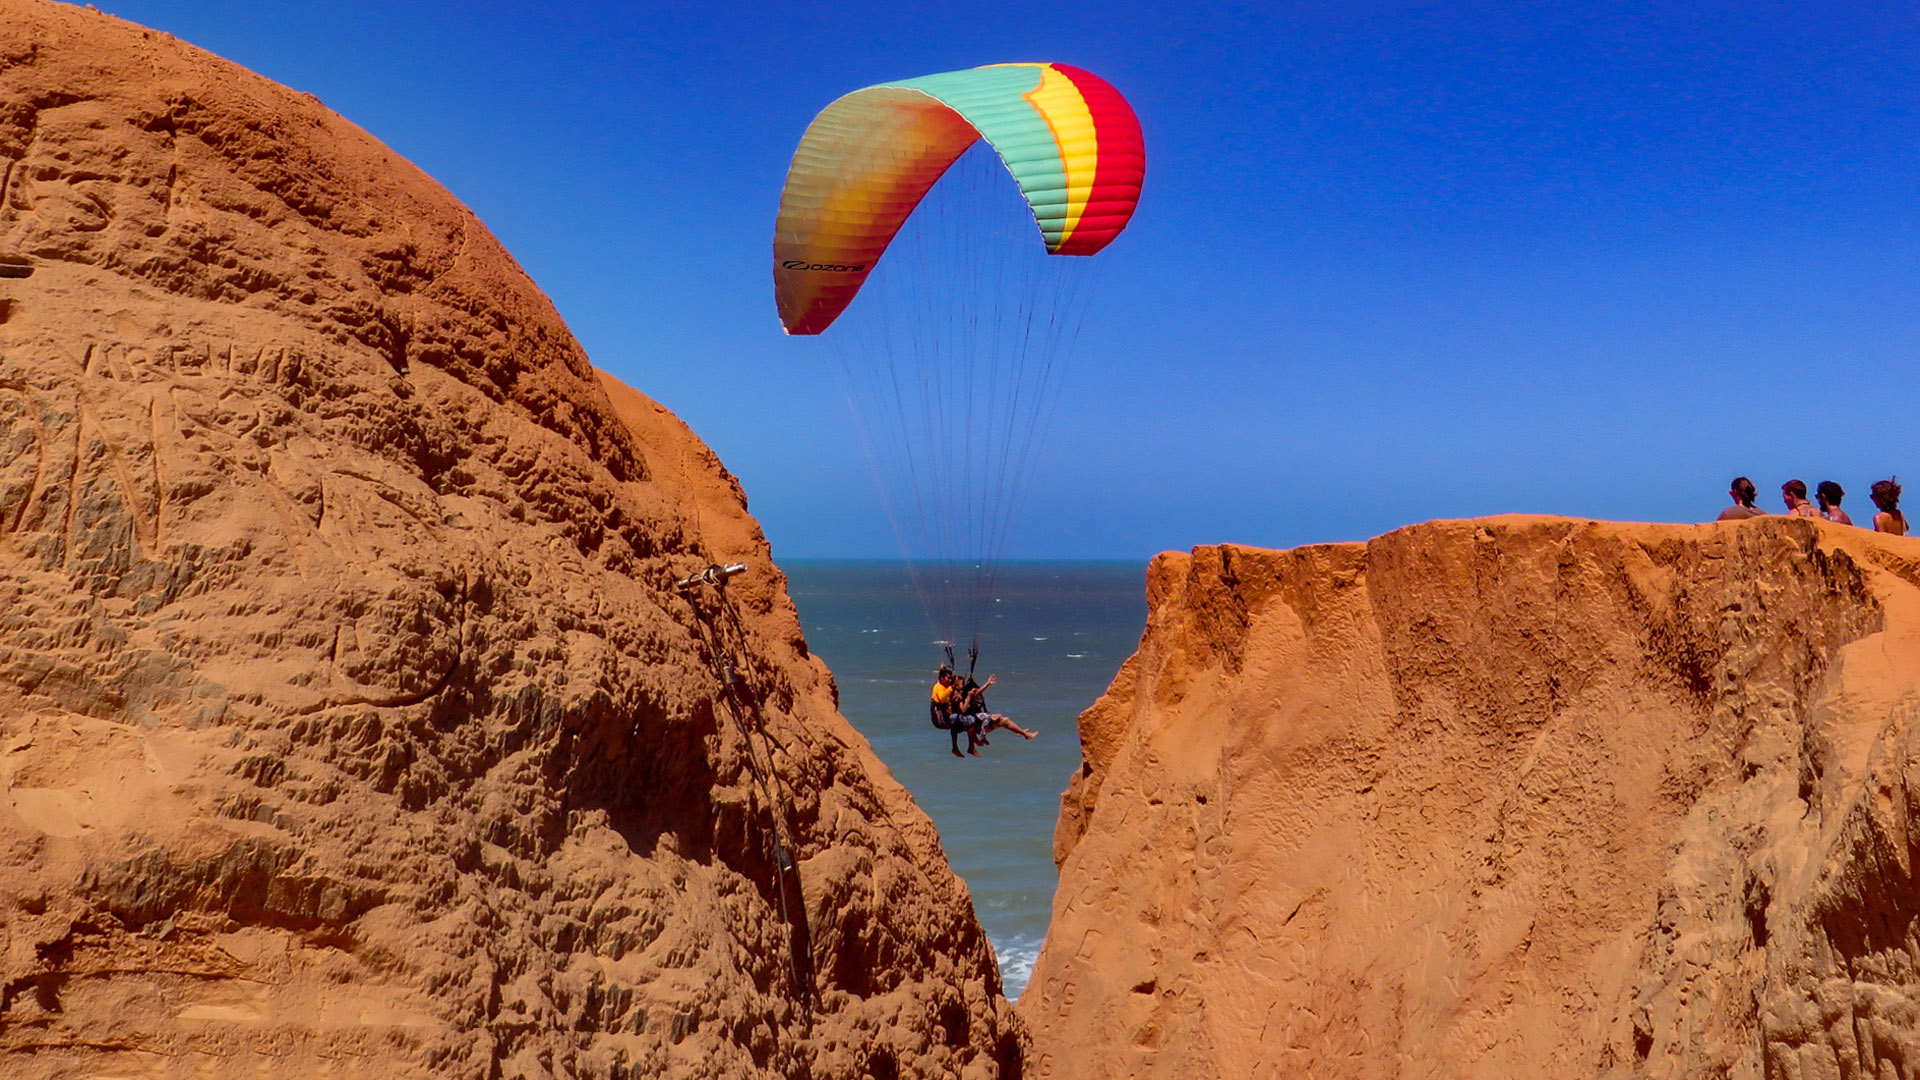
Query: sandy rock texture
{"type": "Point", "coordinates": [351, 724]}
{"type": "Point", "coordinates": [1519, 797]}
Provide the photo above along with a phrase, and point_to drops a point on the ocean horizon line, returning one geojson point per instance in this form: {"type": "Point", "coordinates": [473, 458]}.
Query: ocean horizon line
{"type": "Point", "coordinates": [875, 560]}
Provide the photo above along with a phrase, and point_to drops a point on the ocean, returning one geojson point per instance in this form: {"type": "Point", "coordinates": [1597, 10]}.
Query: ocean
{"type": "Point", "coordinates": [1058, 633]}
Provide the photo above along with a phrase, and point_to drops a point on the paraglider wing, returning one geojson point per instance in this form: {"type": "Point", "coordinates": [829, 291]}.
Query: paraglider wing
{"type": "Point", "coordinates": [1069, 139]}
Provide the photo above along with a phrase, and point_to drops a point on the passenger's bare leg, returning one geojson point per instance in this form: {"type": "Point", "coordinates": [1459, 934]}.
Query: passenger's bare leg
{"type": "Point", "coordinates": [1007, 722]}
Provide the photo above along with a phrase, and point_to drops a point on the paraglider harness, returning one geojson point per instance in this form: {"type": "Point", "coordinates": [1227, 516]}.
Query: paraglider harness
{"type": "Point", "coordinates": [947, 715]}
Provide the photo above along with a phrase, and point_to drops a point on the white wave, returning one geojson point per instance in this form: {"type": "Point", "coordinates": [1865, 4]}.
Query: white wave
{"type": "Point", "coordinates": [1076, 656]}
{"type": "Point", "coordinates": [1039, 639]}
{"type": "Point", "coordinates": [1016, 960]}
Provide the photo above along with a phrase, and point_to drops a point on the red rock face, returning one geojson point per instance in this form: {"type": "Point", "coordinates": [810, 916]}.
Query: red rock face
{"type": "Point", "coordinates": [1521, 797]}
{"type": "Point", "coordinates": [351, 723]}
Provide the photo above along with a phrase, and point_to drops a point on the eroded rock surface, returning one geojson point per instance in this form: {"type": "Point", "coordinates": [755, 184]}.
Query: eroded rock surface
{"type": "Point", "coordinates": [1503, 798]}
{"type": "Point", "coordinates": [351, 724]}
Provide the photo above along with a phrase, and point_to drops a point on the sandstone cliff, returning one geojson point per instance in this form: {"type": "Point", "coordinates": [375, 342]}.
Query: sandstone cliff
{"type": "Point", "coordinates": [1514, 797]}
{"type": "Point", "coordinates": [351, 724]}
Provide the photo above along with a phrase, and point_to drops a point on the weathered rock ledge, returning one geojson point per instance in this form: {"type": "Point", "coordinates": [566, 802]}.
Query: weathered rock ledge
{"type": "Point", "coordinates": [1512, 797]}
{"type": "Point", "coordinates": [351, 724]}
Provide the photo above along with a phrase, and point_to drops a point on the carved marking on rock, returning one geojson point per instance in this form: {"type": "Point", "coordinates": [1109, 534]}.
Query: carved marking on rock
{"type": "Point", "coordinates": [159, 488]}
{"type": "Point", "coordinates": [73, 492]}
{"type": "Point", "coordinates": [144, 531]}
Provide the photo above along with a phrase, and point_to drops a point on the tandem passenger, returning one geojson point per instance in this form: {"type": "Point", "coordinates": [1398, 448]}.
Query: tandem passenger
{"type": "Point", "coordinates": [973, 702]}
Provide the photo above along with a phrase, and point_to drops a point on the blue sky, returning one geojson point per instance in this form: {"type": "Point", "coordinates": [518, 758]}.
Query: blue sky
{"type": "Point", "coordinates": [1393, 261]}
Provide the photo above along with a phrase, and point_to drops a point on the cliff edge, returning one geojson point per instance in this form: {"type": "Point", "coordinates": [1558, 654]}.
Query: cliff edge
{"type": "Point", "coordinates": [1510, 797]}
{"type": "Point", "coordinates": [351, 721]}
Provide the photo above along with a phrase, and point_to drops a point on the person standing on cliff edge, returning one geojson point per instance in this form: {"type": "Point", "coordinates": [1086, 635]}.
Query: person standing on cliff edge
{"type": "Point", "coordinates": [1794, 492]}
{"type": "Point", "coordinates": [1886, 496]}
{"type": "Point", "coordinates": [1743, 493]}
{"type": "Point", "coordinates": [1830, 494]}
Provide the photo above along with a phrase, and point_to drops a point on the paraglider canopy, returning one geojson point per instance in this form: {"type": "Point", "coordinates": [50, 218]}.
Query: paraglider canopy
{"type": "Point", "coordinates": [924, 197]}
{"type": "Point", "coordinates": [1069, 139]}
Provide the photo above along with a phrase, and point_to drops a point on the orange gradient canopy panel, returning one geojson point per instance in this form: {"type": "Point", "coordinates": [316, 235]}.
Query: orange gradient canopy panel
{"type": "Point", "coordinates": [1069, 139]}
